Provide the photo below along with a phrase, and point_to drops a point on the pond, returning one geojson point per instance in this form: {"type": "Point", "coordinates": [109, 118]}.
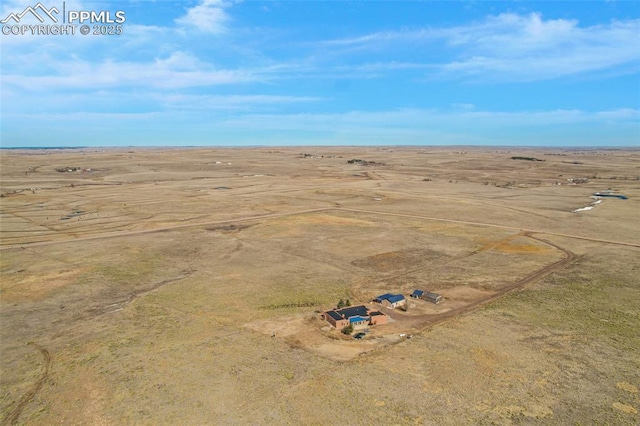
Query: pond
{"type": "Point", "coordinates": [599, 194]}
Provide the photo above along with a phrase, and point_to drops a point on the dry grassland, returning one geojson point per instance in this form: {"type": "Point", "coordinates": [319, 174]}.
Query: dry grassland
{"type": "Point", "coordinates": [144, 286]}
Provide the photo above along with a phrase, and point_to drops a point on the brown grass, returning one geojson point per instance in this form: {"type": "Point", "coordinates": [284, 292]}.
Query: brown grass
{"type": "Point", "coordinates": [174, 327]}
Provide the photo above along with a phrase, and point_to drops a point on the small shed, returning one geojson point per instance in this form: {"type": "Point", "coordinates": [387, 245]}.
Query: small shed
{"type": "Point", "coordinates": [417, 294]}
{"type": "Point", "coordinates": [432, 297]}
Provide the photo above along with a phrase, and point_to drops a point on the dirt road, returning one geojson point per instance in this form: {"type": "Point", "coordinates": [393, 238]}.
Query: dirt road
{"type": "Point", "coordinates": [423, 322]}
{"type": "Point", "coordinates": [318, 210]}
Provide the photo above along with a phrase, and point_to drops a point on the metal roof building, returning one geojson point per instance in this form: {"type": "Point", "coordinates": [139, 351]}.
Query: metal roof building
{"type": "Point", "coordinates": [427, 295]}
{"type": "Point", "coordinates": [391, 300]}
{"type": "Point", "coordinates": [417, 294]}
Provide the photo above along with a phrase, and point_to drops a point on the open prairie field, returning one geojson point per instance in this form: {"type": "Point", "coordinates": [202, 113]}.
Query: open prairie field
{"type": "Point", "coordinates": [186, 286]}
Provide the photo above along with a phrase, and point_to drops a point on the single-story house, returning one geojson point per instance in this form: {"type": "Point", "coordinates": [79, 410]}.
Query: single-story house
{"type": "Point", "coordinates": [357, 316]}
{"type": "Point", "coordinates": [391, 300]}
{"type": "Point", "coordinates": [427, 295]}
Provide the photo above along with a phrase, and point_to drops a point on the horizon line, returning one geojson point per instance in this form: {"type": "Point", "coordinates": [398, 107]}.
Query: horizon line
{"type": "Point", "coordinates": [62, 147]}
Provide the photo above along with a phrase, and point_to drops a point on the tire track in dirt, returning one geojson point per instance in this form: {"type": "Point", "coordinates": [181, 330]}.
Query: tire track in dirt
{"type": "Point", "coordinates": [118, 305]}
{"type": "Point", "coordinates": [165, 228]}
{"type": "Point", "coordinates": [14, 415]}
{"type": "Point", "coordinates": [29, 221]}
{"type": "Point", "coordinates": [490, 225]}
{"type": "Point", "coordinates": [321, 209]}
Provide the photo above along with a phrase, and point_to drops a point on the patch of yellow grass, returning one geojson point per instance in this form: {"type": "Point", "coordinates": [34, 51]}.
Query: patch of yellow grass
{"type": "Point", "coordinates": [515, 244]}
{"type": "Point", "coordinates": [35, 287]}
{"type": "Point", "coordinates": [517, 248]}
{"type": "Point", "coordinates": [627, 387]}
{"type": "Point", "coordinates": [625, 408]}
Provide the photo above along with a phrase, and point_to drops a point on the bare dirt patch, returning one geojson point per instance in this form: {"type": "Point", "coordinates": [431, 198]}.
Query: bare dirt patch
{"type": "Point", "coordinates": [397, 260]}
{"type": "Point", "coordinates": [228, 228]}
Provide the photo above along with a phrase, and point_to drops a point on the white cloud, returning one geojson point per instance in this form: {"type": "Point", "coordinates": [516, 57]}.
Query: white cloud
{"type": "Point", "coordinates": [405, 126]}
{"type": "Point", "coordinates": [510, 47]}
{"type": "Point", "coordinates": [144, 56]}
{"type": "Point", "coordinates": [179, 70]}
{"type": "Point", "coordinates": [417, 126]}
{"type": "Point", "coordinates": [463, 106]}
{"type": "Point", "coordinates": [420, 118]}
{"type": "Point", "coordinates": [228, 102]}
{"type": "Point", "coordinates": [167, 74]}
{"type": "Point", "coordinates": [209, 16]}
{"type": "Point", "coordinates": [530, 48]}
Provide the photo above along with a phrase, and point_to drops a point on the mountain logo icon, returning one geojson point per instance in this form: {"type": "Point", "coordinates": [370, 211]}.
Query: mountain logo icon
{"type": "Point", "coordinates": [33, 10]}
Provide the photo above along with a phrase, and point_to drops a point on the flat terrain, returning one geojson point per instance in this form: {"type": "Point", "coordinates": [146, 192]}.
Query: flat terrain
{"type": "Point", "coordinates": [185, 286]}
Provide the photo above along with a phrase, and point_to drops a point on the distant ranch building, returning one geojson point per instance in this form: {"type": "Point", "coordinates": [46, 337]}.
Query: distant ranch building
{"type": "Point", "coordinates": [391, 300]}
{"type": "Point", "coordinates": [427, 295]}
{"type": "Point", "coordinates": [358, 317]}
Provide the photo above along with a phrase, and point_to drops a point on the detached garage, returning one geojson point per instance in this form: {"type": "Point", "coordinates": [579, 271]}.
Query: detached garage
{"type": "Point", "coordinates": [427, 295]}
{"type": "Point", "coordinates": [391, 300]}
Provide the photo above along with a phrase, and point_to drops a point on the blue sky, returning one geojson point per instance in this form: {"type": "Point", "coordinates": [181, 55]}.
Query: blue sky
{"type": "Point", "coordinates": [214, 72]}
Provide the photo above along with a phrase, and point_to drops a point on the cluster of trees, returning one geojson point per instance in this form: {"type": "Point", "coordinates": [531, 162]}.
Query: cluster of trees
{"type": "Point", "coordinates": [361, 162]}
{"type": "Point", "coordinates": [343, 303]}
{"type": "Point", "coordinates": [526, 158]}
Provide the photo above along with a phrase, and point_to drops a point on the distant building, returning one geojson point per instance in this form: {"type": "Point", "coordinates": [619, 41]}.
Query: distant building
{"type": "Point", "coordinates": [391, 300]}
{"type": "Point", "coordinates": [358, 317]}
{"type": "Point", "coordinates": [417, 294]}
{"type": "Point", "coordinates": [427, 295]}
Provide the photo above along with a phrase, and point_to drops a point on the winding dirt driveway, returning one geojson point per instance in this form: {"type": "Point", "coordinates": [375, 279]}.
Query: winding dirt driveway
{"type": "Point", "coordinates": [422, 322]}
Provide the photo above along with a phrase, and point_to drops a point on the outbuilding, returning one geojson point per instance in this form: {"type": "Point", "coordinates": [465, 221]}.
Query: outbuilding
{"type": "Point", "coordinates": [432, 297]}
{"type": "Point", "coordinates": [427, 295]}
{"type": "Point", "coordinates": [391, 300]}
